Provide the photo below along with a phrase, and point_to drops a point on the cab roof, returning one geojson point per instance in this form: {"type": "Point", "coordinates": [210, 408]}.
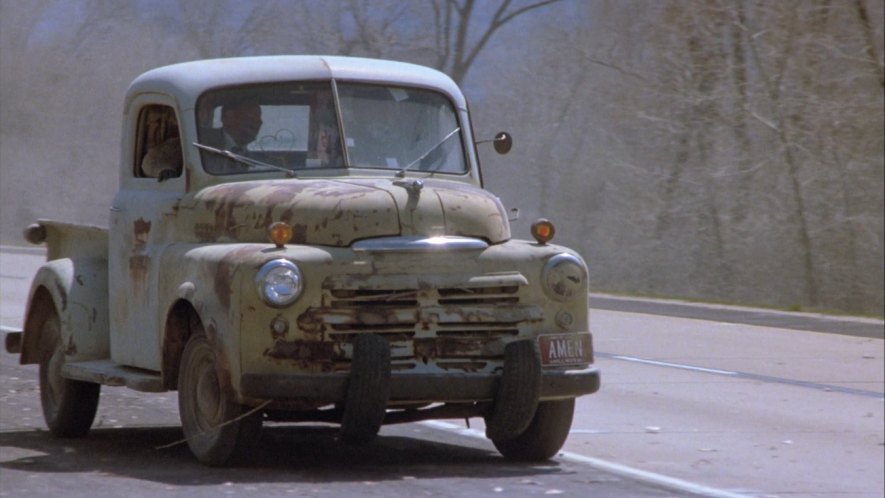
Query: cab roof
{"type": "Point", "coordinates": [188, 80]}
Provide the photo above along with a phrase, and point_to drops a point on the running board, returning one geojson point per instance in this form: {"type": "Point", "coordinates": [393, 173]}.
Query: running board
{"type": "Point", "coordinates": [113, 374]}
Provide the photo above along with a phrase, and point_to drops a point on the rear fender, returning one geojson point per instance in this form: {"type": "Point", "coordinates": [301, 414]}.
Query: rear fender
{"type": "Point", "coordinates": [78, 291]}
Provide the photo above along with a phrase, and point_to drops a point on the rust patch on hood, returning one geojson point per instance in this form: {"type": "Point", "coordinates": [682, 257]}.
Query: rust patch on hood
{"type": "Point", "coordinates": [322, 212]}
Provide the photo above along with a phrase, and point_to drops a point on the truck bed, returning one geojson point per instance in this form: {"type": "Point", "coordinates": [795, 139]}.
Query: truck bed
{"type": "Point", "coordinates": [69, 240]}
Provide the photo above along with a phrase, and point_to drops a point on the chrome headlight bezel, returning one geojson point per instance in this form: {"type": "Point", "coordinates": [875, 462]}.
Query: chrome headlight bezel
{"type": "Point", "coordinates": [564, 277]}
{"type": "Point", "coordinates": [279, 283]}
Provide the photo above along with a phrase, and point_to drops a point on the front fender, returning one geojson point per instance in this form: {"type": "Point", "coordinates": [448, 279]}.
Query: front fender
{"type": "Point", "coordinates": [78, 291]}
{"type": "Point", "coordinates": [206, 278]}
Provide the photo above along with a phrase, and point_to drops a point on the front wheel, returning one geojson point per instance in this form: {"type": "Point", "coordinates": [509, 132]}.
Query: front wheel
{"type": "Point", "coordinates": [68, 405]}
{"type": "Point", "coordinates": [545, 434]}
{"type": "Point", "coordinates": [368, 390]}
{"type": "Point", "coordinates": [213, 424]}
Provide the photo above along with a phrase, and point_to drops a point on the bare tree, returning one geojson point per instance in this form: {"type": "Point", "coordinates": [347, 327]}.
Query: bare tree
{"type": "Point", "coordinates": [759, 121]}
{"type": "Point", "coordinates": [457, 46]}
{"type": "Point", "coordinates": [726, 149]}
{"type": "Point", "coordinates": [873, 53]}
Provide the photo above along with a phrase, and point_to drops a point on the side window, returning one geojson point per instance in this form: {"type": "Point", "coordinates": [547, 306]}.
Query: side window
{"type": "Point", "coordinates": [158, 145]}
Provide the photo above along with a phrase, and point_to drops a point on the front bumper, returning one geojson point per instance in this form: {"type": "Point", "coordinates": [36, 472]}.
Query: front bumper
{"type": "Point", "coordinates": [414, 387]}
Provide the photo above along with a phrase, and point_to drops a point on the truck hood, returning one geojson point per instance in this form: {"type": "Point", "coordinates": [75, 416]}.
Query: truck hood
{"type": "Point", "coordinates": [339, 212]}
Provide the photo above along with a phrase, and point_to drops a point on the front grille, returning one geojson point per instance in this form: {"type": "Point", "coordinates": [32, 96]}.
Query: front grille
{"type": "Point", "coordinates": [403, 313]}
{"type": "Point", "coordinates": [426, 324]}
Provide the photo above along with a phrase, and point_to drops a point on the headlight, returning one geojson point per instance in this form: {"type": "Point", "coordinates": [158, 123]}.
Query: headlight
{"type": "Point", "coordinates": [564, 277]}
{"type": "Point", "coordinates": [279, 283]}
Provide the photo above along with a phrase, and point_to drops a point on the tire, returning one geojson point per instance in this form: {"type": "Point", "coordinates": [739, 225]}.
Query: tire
{"type": "Point", "coordinates": [204, 407]}
{"type": "Point", "coordinates": [516, 399]}
{"type": "Point", "coordinates": [545, 435]}
{"type": "Point", "coordinates": [368, 390]}
{"type": "Point", "coordinates": [69, 406]}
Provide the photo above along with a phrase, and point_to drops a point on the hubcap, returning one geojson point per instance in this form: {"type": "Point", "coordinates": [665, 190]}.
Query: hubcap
{"type": "Point", "coordinates": [54, 380]}
{"type": "Point", "coordinates": [208, 396]}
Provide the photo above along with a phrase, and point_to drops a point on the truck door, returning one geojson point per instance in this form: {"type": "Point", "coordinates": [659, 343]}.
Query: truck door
{"type": "Point", "coordinates": [141, 219]}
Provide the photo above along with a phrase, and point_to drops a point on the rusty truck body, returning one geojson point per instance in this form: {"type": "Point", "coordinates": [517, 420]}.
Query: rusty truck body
{"type": "Point", "coordinates": [345, 265]}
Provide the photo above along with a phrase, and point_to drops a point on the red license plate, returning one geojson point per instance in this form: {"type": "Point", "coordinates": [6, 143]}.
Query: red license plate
{"type": "Point", "coordinates": [565, 349]}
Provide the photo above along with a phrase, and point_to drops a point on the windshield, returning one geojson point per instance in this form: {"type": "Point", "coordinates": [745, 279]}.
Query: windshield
{"type": "Point", "coordinates": [295, 126]}
{"type": "Point", "coordinates": [400, 128]}
{"type": "Point", "coordinates": [290, 126]}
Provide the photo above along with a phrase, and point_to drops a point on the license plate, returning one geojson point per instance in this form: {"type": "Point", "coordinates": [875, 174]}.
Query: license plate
{"type": "Point", "coordinates": [565, 349]}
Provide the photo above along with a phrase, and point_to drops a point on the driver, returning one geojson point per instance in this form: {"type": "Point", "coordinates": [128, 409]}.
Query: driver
{"type": "Point", "coordinates": [240, 122]}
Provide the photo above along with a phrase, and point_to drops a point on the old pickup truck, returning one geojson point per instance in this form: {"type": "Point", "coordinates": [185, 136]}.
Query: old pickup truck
{"type": "Point", "coordinates": [302, 239]}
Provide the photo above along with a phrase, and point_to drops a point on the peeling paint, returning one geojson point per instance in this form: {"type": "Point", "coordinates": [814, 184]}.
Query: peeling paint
{"type": "Point", "coordinates": [224, 270]}
{"type": "Point", "coordinates": [141, 231]}
{"type": "Point", "coordinates": [307, 354]}
{"type": "Point", "coordinates": [70, 347]}
{"type": "Point", "coordinates": [457, 347]}
{"type": "Point", "coordinates": [138, 269]}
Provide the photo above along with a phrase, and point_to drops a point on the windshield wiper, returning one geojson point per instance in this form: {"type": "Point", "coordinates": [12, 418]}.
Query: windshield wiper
{"type": "Point", "coordinates": [245, 161]}
{"type": "Point", "coordinates": [402, 172]}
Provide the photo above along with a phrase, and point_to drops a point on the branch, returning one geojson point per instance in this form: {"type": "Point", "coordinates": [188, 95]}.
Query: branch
{"type": "Point", "coordinates": [500, 18]}
{"type": "Point", "coordinates": [619, 69]}
{"type": "Point", "coordinates": [766, 122]}
{"type": "Point", "coordinates": [874, 59]}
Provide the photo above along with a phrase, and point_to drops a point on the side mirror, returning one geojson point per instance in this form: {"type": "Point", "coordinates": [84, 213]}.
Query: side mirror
{"type": "Point", "coordinates": [502, 142]}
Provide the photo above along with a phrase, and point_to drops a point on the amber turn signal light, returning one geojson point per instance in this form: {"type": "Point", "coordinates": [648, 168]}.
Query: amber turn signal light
{"type": "Point", "coordinates": [543, 231]}
{"type": "Point", "coordinates": [280, 233]}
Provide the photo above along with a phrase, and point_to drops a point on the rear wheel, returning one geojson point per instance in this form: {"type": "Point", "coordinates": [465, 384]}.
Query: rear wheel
{"type": "Point", "coordinates": [213, 424]}
{"type": "Point", "coordinates": [544, 436]}
{"type": "Point", "coordinates": [68, 405]}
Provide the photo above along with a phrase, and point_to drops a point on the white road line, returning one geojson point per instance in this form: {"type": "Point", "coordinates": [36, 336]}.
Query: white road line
{"type": "Point", "coordinates": [751, 376]}
{"type": "Point", "coordinates": [676, 365]}
{"type": "Point", "coordinates": [606, 466]}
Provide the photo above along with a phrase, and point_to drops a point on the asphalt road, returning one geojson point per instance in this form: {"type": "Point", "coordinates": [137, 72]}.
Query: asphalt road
{"type": "Point", "coordinates": [707, 406]}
